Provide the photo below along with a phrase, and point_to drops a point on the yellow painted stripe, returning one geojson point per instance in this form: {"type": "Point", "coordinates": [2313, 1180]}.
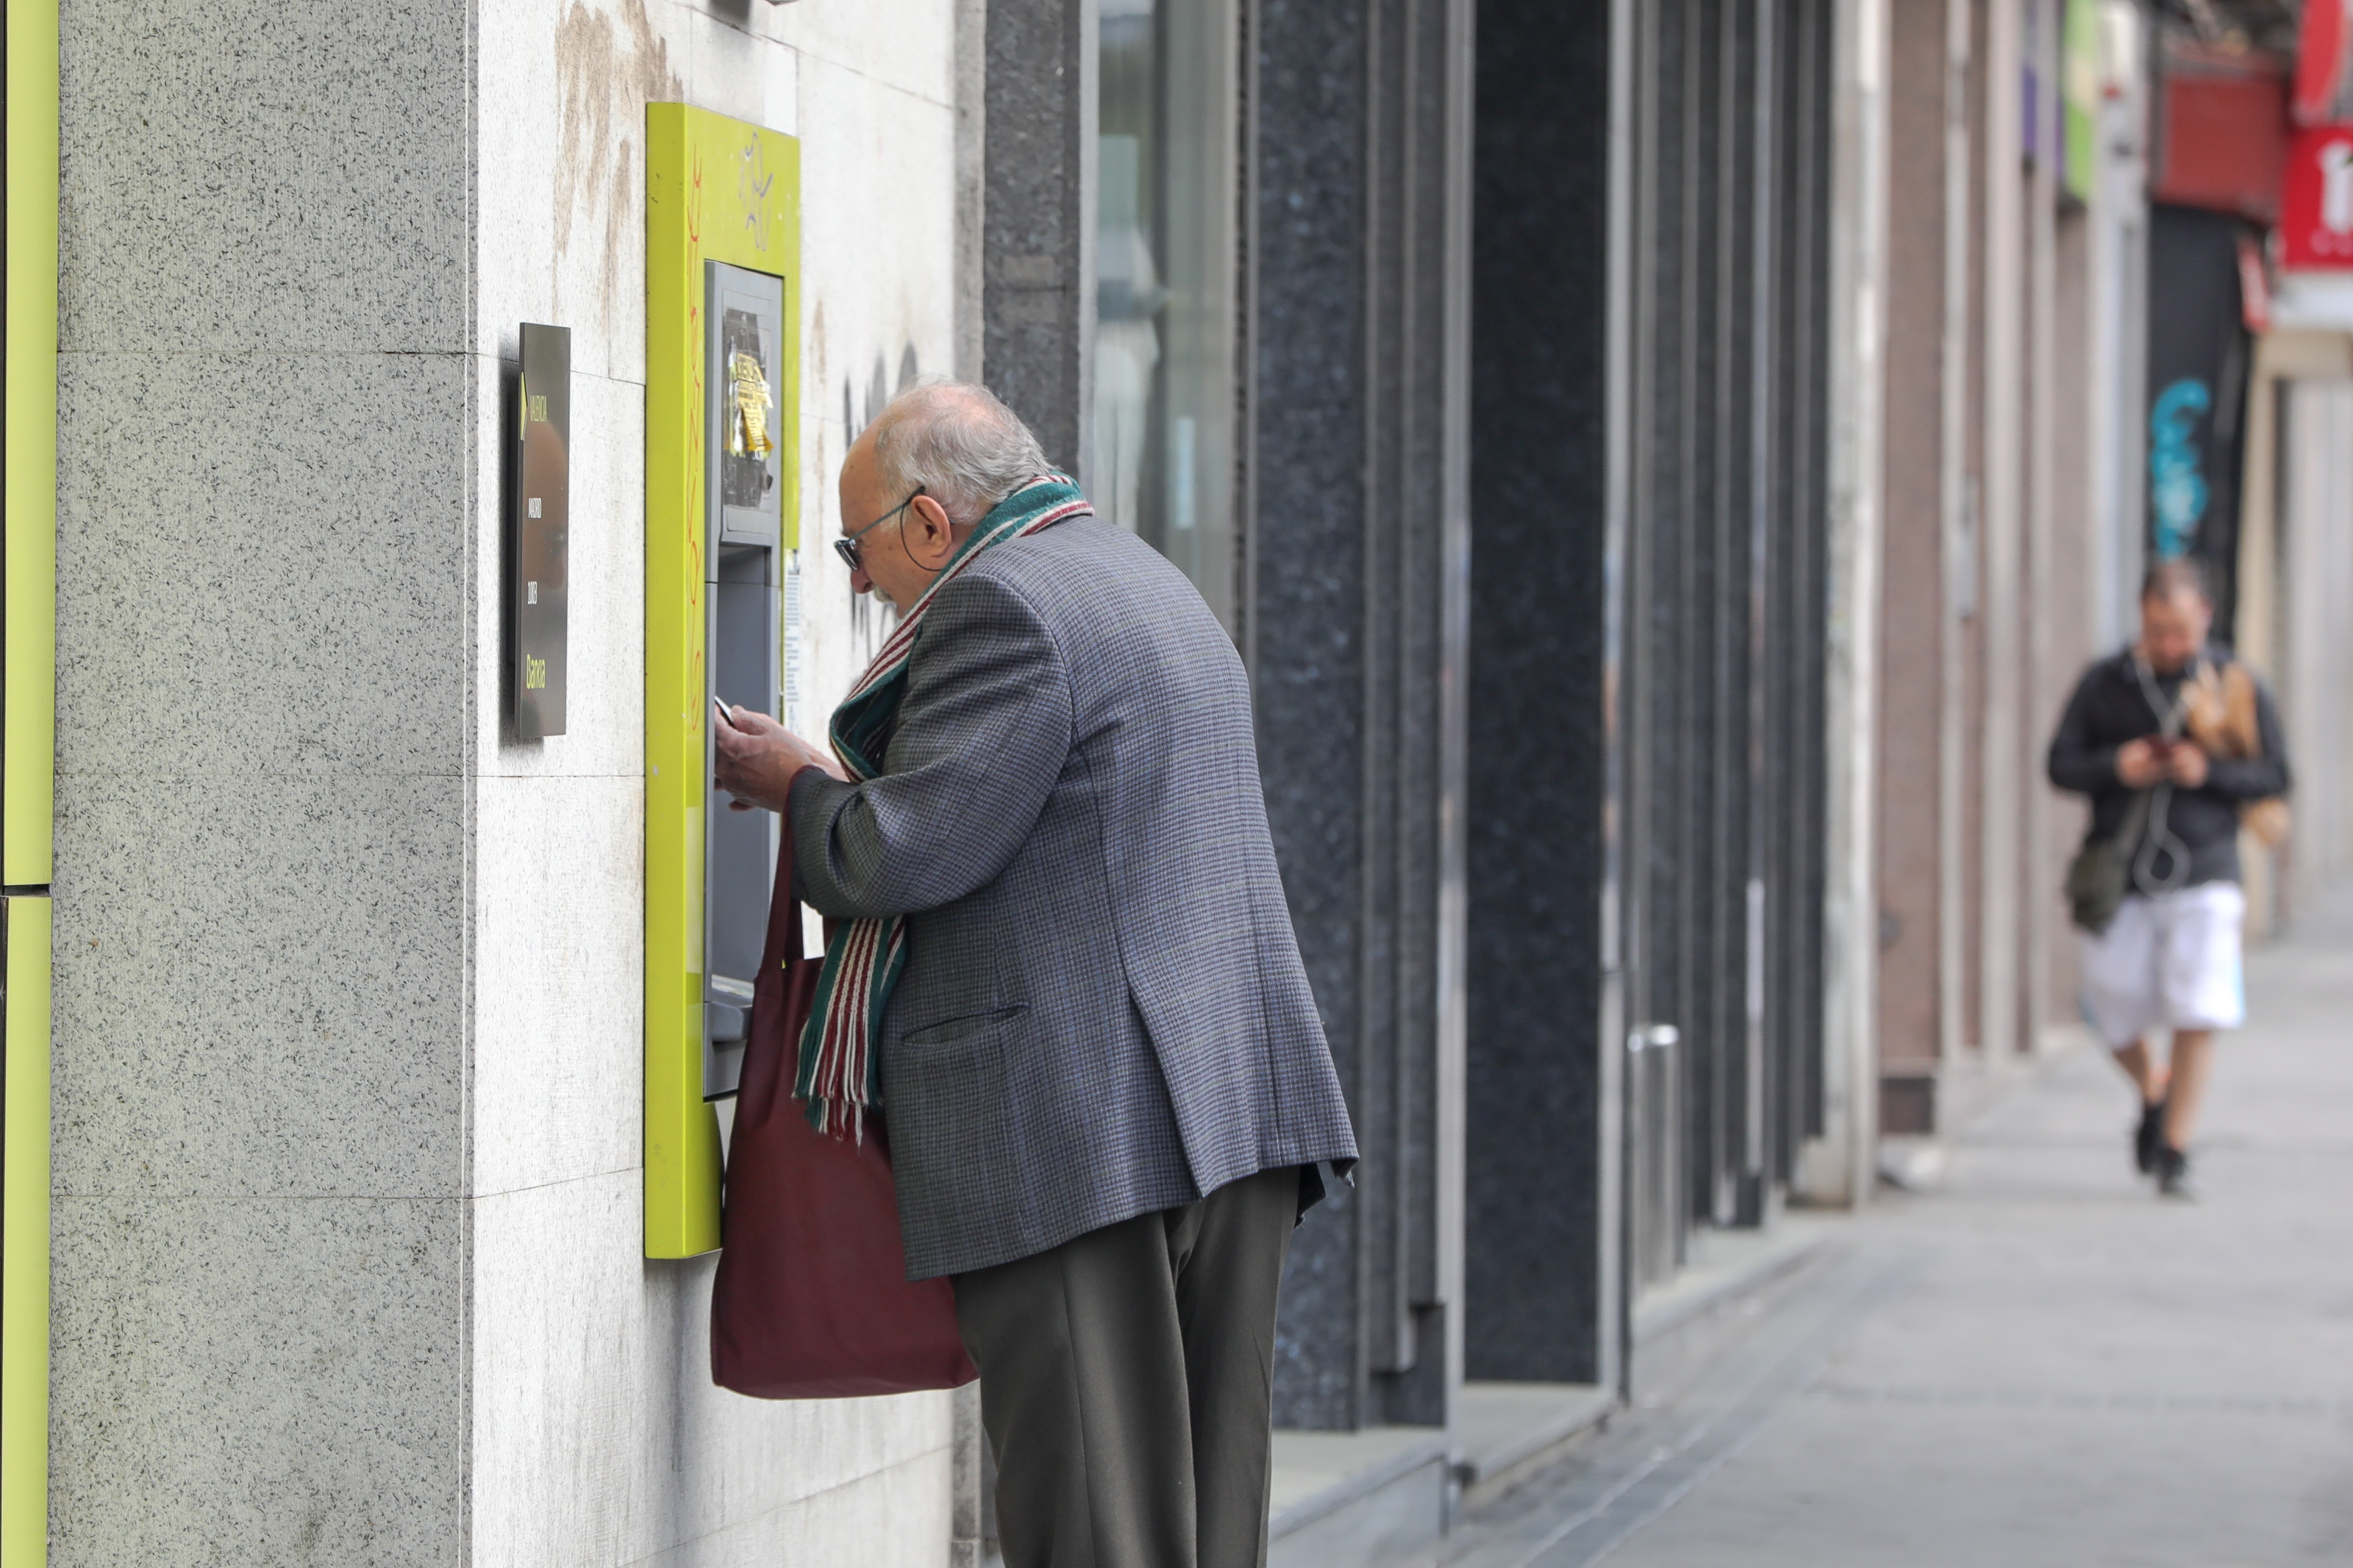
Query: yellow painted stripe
{"type": "Point", "coordinates": [24, 1238]}
{"type": "Point", "coordinates": [28, 511]}
{"type": "Point", "coordinates": [29, 443]}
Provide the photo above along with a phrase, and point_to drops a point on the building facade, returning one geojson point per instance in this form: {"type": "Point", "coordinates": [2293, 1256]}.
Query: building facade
{"type": "Point", "coordinates": [1498, 424]}
{"type": "Point", "coordinates": [2100, 353]}
{"type": "Point", "coordinates": [349, 1020]}
{"type": "Point", "coordinates": [2014, 534]}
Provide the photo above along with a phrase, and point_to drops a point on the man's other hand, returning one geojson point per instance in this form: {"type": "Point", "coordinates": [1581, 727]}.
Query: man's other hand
{"type": "Point", "coordinates": [756, 759]}
{"type": "Point", "coordinates": [2141, 764]}
{"type": "Point", "coordinates": [2185, 763]}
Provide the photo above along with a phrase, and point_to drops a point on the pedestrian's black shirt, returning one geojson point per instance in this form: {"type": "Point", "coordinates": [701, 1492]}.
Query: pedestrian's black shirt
{"type": "Point", "coordinates": [2110, 707]}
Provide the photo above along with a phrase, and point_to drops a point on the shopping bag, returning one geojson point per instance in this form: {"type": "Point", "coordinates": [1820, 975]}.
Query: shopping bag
{"type": "Point", "coordinates": [812, 1299]}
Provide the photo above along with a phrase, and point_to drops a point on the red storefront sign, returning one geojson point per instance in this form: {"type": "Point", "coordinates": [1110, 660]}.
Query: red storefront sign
{"type": "Point", "coordinates": [2317, 205]}
{"type": "Point", "coordinates": [2225, 131]}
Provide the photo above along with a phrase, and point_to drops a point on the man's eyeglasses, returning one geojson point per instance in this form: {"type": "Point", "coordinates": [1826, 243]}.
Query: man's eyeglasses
{"type": "Point", "coordinates": [847, 545]}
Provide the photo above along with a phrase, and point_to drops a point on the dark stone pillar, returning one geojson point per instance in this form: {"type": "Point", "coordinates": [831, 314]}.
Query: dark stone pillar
{"type": "Point", "coordinates": [1037, 261]}
{"type": "Point", "coordinates": [1306, 617]}
{"type": "Point", "coordinates": [1354, 548]}
{"type": "Point", "coordinates": [1537, 1305]}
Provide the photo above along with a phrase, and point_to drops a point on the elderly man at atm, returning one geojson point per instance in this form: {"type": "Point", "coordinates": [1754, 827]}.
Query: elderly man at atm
{"type": "Point", "coordinates": [1106, 1083]}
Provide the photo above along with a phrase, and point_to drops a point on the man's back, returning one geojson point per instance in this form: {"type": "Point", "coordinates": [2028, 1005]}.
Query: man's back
{"type": "Point", "coordinates": [1104, 1012]}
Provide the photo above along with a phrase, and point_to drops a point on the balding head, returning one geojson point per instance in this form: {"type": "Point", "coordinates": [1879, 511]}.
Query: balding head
{"type": "Point", "coordinates": [2176, 611]}
{"type": "Point", "coordinates": [957, 444]}
{"type": "Point", "coordinates": [922, 475]}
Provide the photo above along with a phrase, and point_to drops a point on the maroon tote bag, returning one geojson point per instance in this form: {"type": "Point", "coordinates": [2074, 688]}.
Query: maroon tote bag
{"type": "Point", "coordinates": [812, 1301]}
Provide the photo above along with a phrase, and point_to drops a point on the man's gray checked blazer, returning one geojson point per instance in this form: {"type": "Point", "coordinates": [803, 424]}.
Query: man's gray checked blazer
{"type": "Point", "coordinates": [1104, 1012]}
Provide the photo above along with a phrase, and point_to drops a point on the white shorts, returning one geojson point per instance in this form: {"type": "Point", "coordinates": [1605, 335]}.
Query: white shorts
{"type": "Point", "coordinates": [2168, 962]}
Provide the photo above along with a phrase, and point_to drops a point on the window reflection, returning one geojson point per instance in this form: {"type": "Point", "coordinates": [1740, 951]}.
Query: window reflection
{"type": "Point", "coordinates": [1128, 299]}
{"type": "Point", "coordinates": [1165, 257]}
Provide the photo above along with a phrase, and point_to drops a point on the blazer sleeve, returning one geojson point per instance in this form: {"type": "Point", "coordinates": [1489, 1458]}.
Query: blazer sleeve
{"type": "Point", "coordinates": [984, 730]}
{"type": "Point", "coordinates": [2258, 777]}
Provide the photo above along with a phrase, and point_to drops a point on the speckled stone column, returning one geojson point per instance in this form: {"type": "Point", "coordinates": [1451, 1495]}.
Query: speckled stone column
{"type": "Point", "coordinates": [265, 431]}
{"type": "Point", "coordinates": [348, 1259]}
{"type": "Point", "coordinates": [1536, 1305]}
{"type": "Point", "coordinates": [1357, 548]}
{"type": "Point", "coordinates": [1039, 212]}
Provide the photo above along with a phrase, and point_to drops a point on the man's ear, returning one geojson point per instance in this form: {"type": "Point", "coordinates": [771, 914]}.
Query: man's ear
{"type": "Point", "coordinates": [936, 533]}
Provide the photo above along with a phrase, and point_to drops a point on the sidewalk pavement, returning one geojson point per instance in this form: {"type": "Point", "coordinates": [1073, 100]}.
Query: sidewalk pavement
{"type": "Point", "coordinates": [2040, 1362]}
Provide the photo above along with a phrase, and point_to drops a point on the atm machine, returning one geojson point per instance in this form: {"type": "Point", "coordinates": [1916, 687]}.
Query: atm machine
{"type": "Point", "coordinates": [744, 637]}
{"type": "Point", "coordinates": [722, 356]}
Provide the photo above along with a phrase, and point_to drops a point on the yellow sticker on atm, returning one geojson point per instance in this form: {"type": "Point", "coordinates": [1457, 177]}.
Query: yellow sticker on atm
{"type": "Point", "coordinates": [747, 434]}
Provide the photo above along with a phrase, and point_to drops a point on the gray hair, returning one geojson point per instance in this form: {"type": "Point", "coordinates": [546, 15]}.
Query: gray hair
{"type": "Point", "coordinates": [956, 442]}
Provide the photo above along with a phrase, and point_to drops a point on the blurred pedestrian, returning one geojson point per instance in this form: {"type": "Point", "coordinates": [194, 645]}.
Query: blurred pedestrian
{"type": "Point", "coordinates": [1104, 1079]}
{"type": "Point", "coordinates": [2175, 741]}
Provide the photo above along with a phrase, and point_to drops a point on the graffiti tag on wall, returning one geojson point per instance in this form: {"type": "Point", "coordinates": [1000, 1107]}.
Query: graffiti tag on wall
{"type": "Point", "coordinates": [2177, 479]}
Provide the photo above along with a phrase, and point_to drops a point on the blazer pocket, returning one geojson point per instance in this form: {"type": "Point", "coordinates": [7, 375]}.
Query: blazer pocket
{"type": "Point", "coordinates": [950, 1031]}
{"type": "Point", "coordinates": [952, 1119]}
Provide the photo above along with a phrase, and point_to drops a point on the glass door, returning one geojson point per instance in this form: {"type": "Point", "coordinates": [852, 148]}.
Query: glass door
{"type": "Point", "coordinates": [1167, 256]}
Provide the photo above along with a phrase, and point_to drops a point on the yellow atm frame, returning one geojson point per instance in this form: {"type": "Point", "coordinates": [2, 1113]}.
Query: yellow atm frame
{"type": "Point", "coordinates": [29, 529]}
{"type": "Point", "coordinates": [716, 190]}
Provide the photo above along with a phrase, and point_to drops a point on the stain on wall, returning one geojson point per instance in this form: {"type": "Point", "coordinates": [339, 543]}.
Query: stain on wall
{"type": "Point", "coordinates": [610, 68]}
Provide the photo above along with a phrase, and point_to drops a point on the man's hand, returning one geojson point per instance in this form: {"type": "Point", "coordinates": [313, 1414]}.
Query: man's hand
{"type": "Point", "coordinates": [2141, 764]}
{"type": "Point", "coordinates": [758, 758]}
{"type": "Point", "coordinates": [2185, 763]}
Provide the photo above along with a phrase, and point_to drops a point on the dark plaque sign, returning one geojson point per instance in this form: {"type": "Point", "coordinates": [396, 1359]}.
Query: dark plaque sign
{"type": "Point", "coordinates": [542, 531]}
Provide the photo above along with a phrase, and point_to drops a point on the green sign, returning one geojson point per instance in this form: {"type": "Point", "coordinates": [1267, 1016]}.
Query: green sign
{"type": "Point", "coordinates": [2079, 97]}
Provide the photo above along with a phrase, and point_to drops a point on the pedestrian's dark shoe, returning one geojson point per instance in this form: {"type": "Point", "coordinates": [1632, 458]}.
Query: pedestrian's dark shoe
{"type": "Point", "coordinates": [2173, 1177]}
{"type": "Point", "coordinates": [2147, 1137]}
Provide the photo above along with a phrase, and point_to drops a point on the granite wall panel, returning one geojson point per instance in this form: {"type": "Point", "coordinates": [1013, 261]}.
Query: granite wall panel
{"type": "Point", "coordinates": [347, 1256]}
{"type": "Point", "coordinates": [1354, 528]}
{"type": "Point", "coordinates": [1037, 254]}
{"type": "Point", "coordinates": [597, 1437]}
{"type": "Point", "coordinates": [1538, 714]}
{"type": "Point", "coordinates": [260, 988]}
{"type": "Point", "coordinates": [272, 1380]}
{"type": "Point", "coordinates": [231, 179]}
{"type": "Point", "coordinates": [1307, 624]}
{"type": "Point", "coordinates": [251, 572]}
{"type": "Point", "coordinates": [258, 1059]}
{"type": "Point", "coordinates": [559, 999]}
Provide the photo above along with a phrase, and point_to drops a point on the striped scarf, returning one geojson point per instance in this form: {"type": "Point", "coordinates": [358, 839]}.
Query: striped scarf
{"type": "Point", "coordinates": [840, 1076]}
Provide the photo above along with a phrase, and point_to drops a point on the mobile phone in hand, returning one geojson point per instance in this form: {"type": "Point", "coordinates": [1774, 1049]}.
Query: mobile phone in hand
{"type": "Point", "coordinates": [720, 707]}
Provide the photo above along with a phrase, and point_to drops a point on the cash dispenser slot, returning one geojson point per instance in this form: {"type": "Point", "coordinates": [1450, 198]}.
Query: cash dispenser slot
{"type": "Point", "coordinates": [744, 637]}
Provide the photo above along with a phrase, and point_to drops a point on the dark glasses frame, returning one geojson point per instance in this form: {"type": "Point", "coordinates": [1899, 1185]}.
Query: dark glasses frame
{"type": "Point", "coordinates": [847, 545]}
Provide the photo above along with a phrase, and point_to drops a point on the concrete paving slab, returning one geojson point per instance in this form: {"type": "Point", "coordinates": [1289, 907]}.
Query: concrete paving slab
{"type": "Point", "coordinates": [2039, 1361]}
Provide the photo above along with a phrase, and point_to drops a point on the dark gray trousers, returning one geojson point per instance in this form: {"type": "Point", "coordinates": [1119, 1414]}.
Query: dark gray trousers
{"type": "Point", "coordinates": [1126, 1381]}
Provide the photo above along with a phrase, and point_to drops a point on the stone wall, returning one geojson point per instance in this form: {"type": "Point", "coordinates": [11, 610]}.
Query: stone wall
{"type": "Point", "coordinates": [348, 1266]}
{"type": "Point", "coordinates": [264, 824]}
